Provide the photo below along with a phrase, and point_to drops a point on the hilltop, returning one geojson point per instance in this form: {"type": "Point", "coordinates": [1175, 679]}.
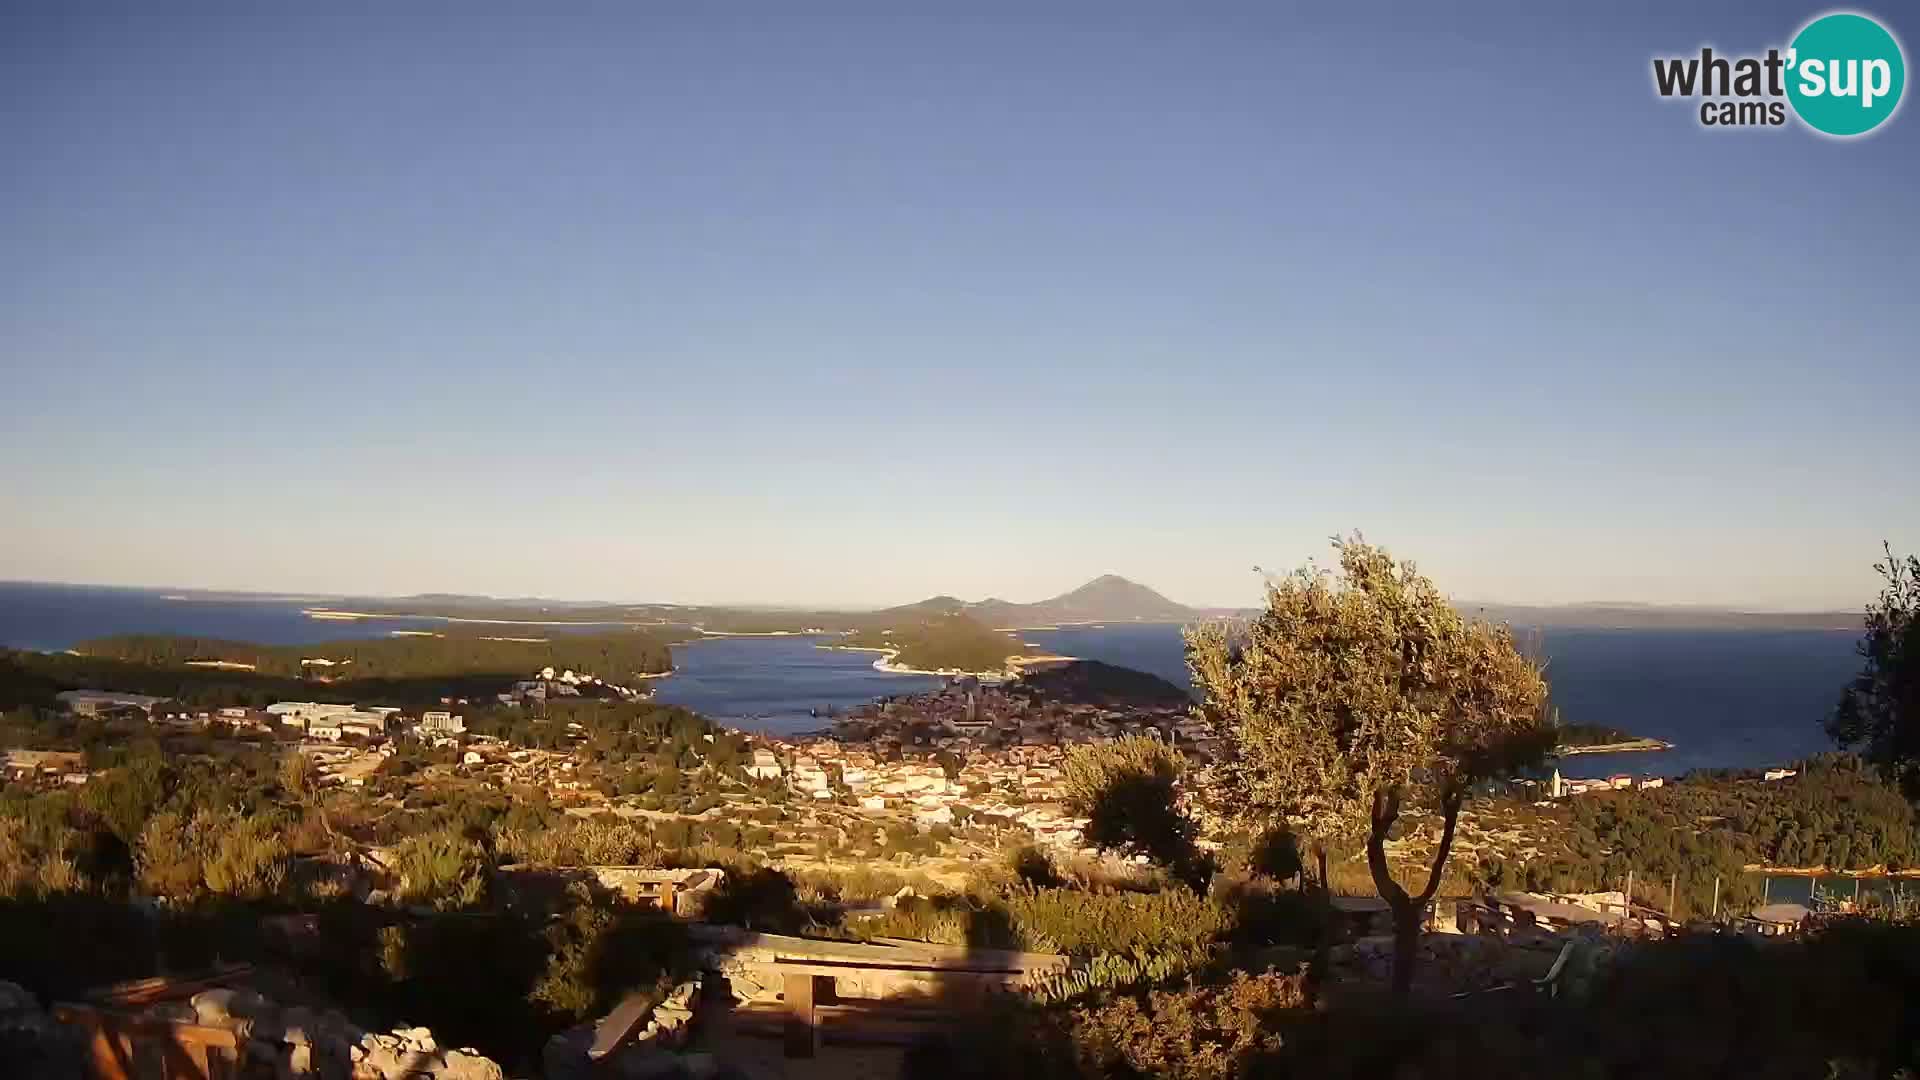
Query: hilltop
{"type": "Point", "coordinates": [1108, 598]}
{"type": "Point", "coordinates": [1093, 682]}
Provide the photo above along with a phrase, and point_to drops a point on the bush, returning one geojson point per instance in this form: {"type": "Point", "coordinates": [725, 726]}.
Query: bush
{"type": "Point", "coordinates": [1199, 1032]}
{"type": "Point", "coordinates": [443, 869]}
{"type": "Point", "coordinates": [33, 867]}
{"type": "Point", "coordinates": [599, 955]}
{"type": "Point", "coordinates": [212, 853]}
{"type": "Point", "coordinates": [1084, 923]}
{"type": "Point", "coordinates": [574, 842]}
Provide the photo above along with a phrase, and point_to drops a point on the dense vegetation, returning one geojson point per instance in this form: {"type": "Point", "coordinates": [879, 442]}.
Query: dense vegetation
{"type": "Point", "coordinates": [1835, 814]}
{"type": "Point", "coordinates": [1838, 1005]}
{"type": "Point", "coordinates": [1096, 683]}
{"type": "Point", "coordinates": [1879, 711]}
{"type": "Point", "coordinates": [404, 670]}
{"type": "Point", "coordinates": [1359, 694]}
{"type": "Point", "coordinates": [614, 656]}
{"type": "Point", "coordinates": [1126, 791]}
{"type": "Point", "coordinates": [942, 643]}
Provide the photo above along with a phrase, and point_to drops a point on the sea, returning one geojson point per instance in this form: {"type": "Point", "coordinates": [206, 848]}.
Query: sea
{"type": "Point", "coordinates": [1724, 698]}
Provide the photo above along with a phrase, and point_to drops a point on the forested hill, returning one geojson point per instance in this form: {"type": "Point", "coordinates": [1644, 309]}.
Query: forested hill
{"type": "Point", "coordinates": [614, 656]}
{"type": "Point", "coordinates": [952, 642]}
{"type": "Point", "coordinates": [1095, 683]}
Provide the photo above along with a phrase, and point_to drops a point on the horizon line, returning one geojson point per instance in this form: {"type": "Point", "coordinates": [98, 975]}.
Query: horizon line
{"type": "Point", "coordinates": [749, 605]}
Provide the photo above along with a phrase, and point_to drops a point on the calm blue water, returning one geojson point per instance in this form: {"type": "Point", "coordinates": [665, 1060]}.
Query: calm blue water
{"type": "Point", "coordinates": [1725, 698]}
{"type": "Point", "coordinates": [51, 617]}
{"type": "Point", "coordinates": [770, 683]}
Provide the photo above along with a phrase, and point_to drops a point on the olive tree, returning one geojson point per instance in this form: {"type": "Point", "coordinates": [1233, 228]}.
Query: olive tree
{"type": "Point", "coordinates": [1357, 695]}
{"type": "Point", "coordinates": [1128, 792]}
{"type": "Point", "coordinates": [1879, 711]}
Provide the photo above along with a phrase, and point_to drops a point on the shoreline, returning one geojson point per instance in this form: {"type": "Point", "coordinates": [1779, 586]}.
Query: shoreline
{"type": "Point", "coordinates": [1015, 667]}
{"type": "Point", "coordinates": [332, 615]}
{"type": "Point", "coordinates": [1879, 871]}
{"type": "Point", "coordinates": [1627, 747]}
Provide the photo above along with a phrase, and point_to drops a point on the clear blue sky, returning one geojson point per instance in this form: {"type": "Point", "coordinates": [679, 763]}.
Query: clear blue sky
{"type": "Point", "coordinates": [855, 310]}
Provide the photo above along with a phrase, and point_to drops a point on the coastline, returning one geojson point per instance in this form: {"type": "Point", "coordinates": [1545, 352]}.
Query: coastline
{"type": "Point", "coordinates": [1627, 747]}
{"type": "Point", "coordinates": [1015, 665]}
{"type": "Point", "coordinates": [332, 615]}
{"type": "Point", "coordinates": [1877, 871]}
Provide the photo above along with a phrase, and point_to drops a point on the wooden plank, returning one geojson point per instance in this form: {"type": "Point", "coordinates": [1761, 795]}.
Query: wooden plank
{"type": "Point", "coordinates": [163, 988]}
{"type": "Point", "coordinates": [618, 1027]}
{"type": "Point", "coordinates": [748, 946]}
{"type": "Point", "coordinates": [828, 967]}
{"type": "Point", "coordinates": [878, 983]}
{"type": "Point", "coordinates": [800, 991]}
{"type": "Point", "coordinates": [183, 1051]}
{"type": "Point", "coordinates": [869, 1023]}
{"type": "Point", "coordinates": [968, 956]}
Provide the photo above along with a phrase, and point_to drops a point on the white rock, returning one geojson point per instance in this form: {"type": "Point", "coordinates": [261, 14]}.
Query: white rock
{"type": "Point", "coordinates": [223, 1003]}
{"type": "Point", "coordinates": [464, 1066]}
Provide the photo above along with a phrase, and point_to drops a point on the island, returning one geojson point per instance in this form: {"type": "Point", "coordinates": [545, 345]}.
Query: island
{"type": "Point", "coordinates": [1599, 739]}
{"type": "Point", "coordinates": [943, 644]}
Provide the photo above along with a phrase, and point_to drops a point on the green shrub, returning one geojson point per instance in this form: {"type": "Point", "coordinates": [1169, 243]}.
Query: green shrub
{"type": "Point", "coordinates": [212, 853]}
{"type": "Point", "coordinates": [599, 955]}
{"type": "Point", "coordinates": [1085, 923]}
{"type": "Point", "coordinates": [443, 869]}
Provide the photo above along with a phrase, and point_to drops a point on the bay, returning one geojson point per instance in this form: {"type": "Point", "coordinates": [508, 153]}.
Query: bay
{"type": "Point", "coordinates": [1724, 698]}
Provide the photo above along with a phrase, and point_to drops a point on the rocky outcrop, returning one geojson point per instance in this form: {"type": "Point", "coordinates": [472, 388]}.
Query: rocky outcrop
{"type": "Point", "coordinates": [299, 1043]}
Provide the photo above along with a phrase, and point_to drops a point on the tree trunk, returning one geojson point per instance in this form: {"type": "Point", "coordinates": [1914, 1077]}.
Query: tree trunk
{"type": "Point", "coordinates": [1406, 909]}
{"type": "Point", "coordinates": [1406, 948]}
{"type": "Point", "coordinates": [1323, 937]}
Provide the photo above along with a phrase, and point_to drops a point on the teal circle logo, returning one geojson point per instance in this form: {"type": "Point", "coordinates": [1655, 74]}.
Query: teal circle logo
{"type": "Point", "coordinates": [1845, 74]}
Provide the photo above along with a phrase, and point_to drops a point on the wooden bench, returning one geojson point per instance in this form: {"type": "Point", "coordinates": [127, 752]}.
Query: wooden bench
{"type": "Point", "coordinates": [122, 1044]}
{"type": "Point", "coordinates": [888, 991]}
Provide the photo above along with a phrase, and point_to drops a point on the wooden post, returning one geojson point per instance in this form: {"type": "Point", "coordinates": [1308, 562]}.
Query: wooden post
{"type": "Point", "coordinates": [802, 992]}
{"type": "Point", "coordinates": [1716, 896]}
{"type": "Point", "coordinates": [1673, 897]}
{"type": "Point", "coordinates": [666, 897]}
{"type": "Point", "coordinates": [1629, 911]}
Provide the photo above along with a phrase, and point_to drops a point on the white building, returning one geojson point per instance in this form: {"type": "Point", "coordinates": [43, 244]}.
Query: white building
{"type": "Point", "coordinates": [441, 723]}
{"type": "Point", "coordinates": [94, 702]}
{"type": "Point", "coordinates": [373, 717]}
{"type": "Point", "coordinates": [765, 766]}
{"type": "Point", "coordinates": [287, 712]}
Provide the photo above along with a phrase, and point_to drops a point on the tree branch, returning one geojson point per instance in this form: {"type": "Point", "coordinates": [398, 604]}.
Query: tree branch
{"type": "Point", "coordinates": [1386, 810]}
{"type": "Point", "coordinates": [1450, 809]}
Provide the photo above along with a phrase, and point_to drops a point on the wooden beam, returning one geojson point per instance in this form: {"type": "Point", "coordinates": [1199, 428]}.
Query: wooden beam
{"type": "Point", "coordinates": [802, 991]}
